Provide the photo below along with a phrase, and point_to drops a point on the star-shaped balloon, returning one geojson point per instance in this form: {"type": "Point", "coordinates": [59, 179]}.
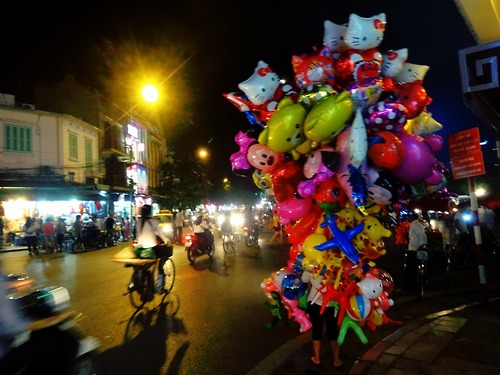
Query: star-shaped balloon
{"type": "Point", "coordinates": [341, 240]}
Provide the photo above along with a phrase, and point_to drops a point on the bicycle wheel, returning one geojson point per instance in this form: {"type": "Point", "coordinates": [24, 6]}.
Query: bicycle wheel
{"type": "Point", "coordinates": [141, 287]}
{"type": "Point", "coordinates": [228, 244]}
{"type": "Point", "coordinates": [169, 269]}
{"type": "Point", "coordinates": [459, 254]}
{"type": "Point", "coordinates": [420, 279]}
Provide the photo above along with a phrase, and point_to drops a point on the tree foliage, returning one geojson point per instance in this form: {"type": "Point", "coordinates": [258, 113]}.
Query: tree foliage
{"type": "Point", "coordinates": [184, 181]}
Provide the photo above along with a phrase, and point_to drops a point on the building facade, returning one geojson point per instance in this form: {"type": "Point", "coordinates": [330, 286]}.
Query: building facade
{"type": "Point", "coordinates": [78, 152]}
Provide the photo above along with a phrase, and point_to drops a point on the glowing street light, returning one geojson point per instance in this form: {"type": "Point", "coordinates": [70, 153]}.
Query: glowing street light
{"type": "Point", "coordinates": [150, 93]}
{"type": "Point", "coordinates": [203, 153]}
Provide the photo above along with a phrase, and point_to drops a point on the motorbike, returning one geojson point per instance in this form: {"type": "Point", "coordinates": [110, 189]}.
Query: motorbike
{"type": "Point", "coordinates": [196, 246]}
{"type": "Point", "coordinates": [92, 238]}
{"type": "Point", "coordinates": [49, 308]}
{"type": "Point", "coordinates": [251, 235]}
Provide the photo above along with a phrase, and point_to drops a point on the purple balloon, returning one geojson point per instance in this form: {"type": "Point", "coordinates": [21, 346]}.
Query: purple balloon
{"type": "Point", "coordinates": [385, 115]}
{"type": "Point", "coordinates": [419, 162]}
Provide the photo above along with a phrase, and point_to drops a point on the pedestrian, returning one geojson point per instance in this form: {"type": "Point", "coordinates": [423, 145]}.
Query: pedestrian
{"type": "Point", "coordinates": [29, 229]}
{"type": "Point", "coordinates": [122, 228]}
{"type": "Point", "coordinates": [126, 229]}
{"type": "Point", "coordinates": [148, 229]}
{"type": "Point", "coordinates": [60, 231]}
{"type": "Point", "coordinates": [417, 238]}
{"type": "Point", "coordinates": [1, 231]}
{"type": "Point", "coordinates": [179, 224]}
{"type": "Point", "coordinates": [48, 229]}
{"type": "Point", "coordinates": [328, 318]}
{"type": "Point", "coordinates": [109, 224]}
{"type": "Point", "coordinates": [133, 224]}
{"type": "Point", "coordinates": [278, 232]}
{"type": "Point", "coordinates": [77, 231]}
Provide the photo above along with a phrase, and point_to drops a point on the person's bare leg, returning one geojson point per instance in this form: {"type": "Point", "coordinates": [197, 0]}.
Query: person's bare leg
{"type": "Point", "coordinates": [336, 354]}
{"type": "Point", "coordinates": [316, 349]}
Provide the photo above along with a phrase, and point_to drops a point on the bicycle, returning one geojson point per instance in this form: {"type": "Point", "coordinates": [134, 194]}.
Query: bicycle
{"type": "Point", "coordinates": [141, 288]}
{"type": "Point", "coordinates": [462, 251]}
{"type": "Point", "coordinates": [228, 243]}
{"type": "Point", "coordinates": [422, 258]}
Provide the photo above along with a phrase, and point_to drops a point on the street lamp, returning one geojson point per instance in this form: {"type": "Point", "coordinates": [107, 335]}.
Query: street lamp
{"type": "Point", "coordinates": [150, 95]}
{"type": "Point", "coordinates": [203, 153]}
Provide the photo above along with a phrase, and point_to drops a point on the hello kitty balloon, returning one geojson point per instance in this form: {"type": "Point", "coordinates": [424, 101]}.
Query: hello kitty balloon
{"type": "Point", "coordinates": [411, 73]}
{"type": "Point", "coordinates": [365, 33]}
{"type": "Point", "coordinates": [333, 38]}
{"type": "Point", "coordinates": [260, 94]}
{"type": "Point", "coordinates": [393, 61]}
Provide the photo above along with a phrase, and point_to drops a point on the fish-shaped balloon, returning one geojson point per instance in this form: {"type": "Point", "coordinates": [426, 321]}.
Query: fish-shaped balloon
{"type": "Point", "coordinates": [358, 140]}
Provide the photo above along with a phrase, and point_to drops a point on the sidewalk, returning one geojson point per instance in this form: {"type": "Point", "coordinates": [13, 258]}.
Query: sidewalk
{"type": "Point", "coordinates": [8, 248]}
{"type": "Point", "coordinates": [462, 340]}
{"type": "Point", "coordinates": [459, 341]}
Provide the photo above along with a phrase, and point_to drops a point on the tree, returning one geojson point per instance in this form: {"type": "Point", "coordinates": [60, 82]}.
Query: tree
{"type": "Point", "coordinates": [184, 182]}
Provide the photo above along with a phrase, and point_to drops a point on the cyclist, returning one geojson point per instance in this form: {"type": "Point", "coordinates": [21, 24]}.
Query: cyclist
{"type": "Point", "coordinates": [227, 227]}
{"type": "Point", "coordinates": [148, 231]}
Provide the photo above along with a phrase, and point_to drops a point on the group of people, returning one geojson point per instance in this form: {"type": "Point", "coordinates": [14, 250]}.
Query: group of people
{"type": "Point", "coordinates": [35, 228]}
{"type": "Point", "coordinates": [54, 230]}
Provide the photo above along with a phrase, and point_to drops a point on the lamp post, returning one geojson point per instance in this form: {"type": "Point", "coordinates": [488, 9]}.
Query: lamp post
{"type": "Point", "coordinates": [150, 95]}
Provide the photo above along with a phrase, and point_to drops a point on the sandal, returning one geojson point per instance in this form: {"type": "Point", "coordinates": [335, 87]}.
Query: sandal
{"type": "Point", "coordinates": [338, 364]}
{"type": "Point", "coordinates": [315, 361]}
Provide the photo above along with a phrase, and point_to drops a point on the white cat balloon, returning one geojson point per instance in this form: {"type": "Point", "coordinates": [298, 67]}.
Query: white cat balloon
{"type": "Point", "coordinates": [393, 61]}
{"type": "Point", "coordinates": [365, 33]}
{"type": "Point", "coordinates": [333, 37]}
{"type": "Point", "coordinates": [411, 73]}
{"type": "Point", "coordinates": [262, 84]}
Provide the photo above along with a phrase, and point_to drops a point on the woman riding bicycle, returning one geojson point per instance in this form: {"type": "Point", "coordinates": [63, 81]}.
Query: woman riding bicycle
{"type": "Point", "coordinates": [148, 229]}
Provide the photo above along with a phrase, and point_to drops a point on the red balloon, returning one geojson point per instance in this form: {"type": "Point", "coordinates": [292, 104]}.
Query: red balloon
{"type": "Point", "coordinates": [389, 153]}
{"type": "Point", "coordinates": [305, 226]}
{"type": "Point", "coordinates": [356, 66]}
{"type": "Point", "coordinates": [286, 176]}
{"type": "Point", "coordinates": [414, 98]}
{"type": "Point", "coordinates": [330, 191]}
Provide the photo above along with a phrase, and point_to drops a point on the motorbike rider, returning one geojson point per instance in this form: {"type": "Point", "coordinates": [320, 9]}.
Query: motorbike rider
{"type": "Point", "coordinates": [36, 346]}
{"type": "Point", "coordinates": [201, 229]}
{"type": "Point", "coordinates": [251, 223]}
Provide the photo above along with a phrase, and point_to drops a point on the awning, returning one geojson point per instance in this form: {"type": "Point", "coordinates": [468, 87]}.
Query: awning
{"type": "Point", "coordinates": [49, 193]}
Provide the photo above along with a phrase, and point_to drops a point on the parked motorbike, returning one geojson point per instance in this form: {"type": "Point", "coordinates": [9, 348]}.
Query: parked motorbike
{"type": "Point", "coordinates": [92, 238]}
{"type": "Point", "coordinates": [49, 308]}
{"type": "Point", "coordinates": [197, 246]}
{"type": "Point", "coordinates": [251, 235]}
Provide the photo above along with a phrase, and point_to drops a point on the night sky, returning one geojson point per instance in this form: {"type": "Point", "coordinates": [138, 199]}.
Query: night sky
{"type": "Point", "coordinates": [42, 42]}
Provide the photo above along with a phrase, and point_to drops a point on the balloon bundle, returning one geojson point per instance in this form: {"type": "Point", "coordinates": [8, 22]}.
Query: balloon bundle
{"type": "Point", "coordinates": [340, 147]}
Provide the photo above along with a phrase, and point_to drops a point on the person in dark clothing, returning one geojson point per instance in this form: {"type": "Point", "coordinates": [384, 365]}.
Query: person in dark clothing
{"type": "Point", "coordinates": [30, 236]}
{"type": "Point", "coordinates": [417, 239]}
{"type": "Point", "coordinates": [109, 224]}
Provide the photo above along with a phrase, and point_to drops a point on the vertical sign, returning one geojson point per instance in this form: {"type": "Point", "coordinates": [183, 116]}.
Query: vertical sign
{"type": "Point", "coordinates": [465, 153]}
